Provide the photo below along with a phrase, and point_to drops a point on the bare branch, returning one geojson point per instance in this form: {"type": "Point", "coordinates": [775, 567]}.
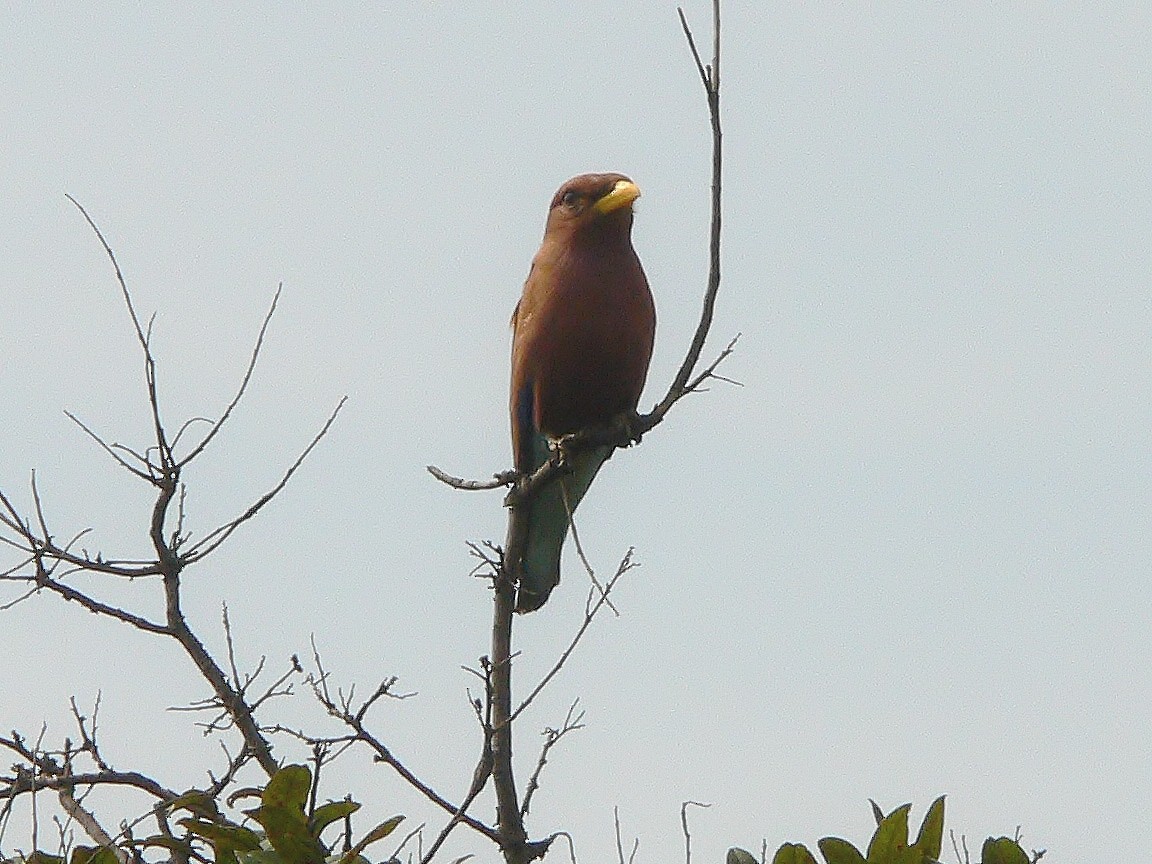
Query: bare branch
{"type": "Point", "coordinates": [684, 824]}
{"type": "Point", "coordinates": [704, 77]}
{"type": "Point", "coordinates": [551, 737]}
{"type": "Point", "coordinates": [620, 842]}
{"type": "Point", "coordinates": [217, 536]}
{"type": "Point", "coordinates": [596, 586]}
{"type": "Point", "coordinates": [110, 449]}
{"type": "Point", "coordinates": [479, 780]}
{"type": "Point", "coordinates": [626, 564]}
{"type": "Point", "coordinates": [710, 372]}
{"type": "Point", "coordinates": [93, 605]}
{"type": "Point", "coordinates": [498, 733]}
{"type": "Point", "coordinates": [504, 478]}
{"type": "Point", "coordinates": [710, 78]}
{"type": "Point", "coordinates": [87, 820]}
{"type": "Point", "coordinates": [415, 832]}
{"type": "Point", "coordinates": [149, 361]}
{"type": "Point", "coordinates": [119, 275]}
{"type": "Point", "coordinates": [199, 448]}
{"type": "Point", "coordinates": [354, 720]}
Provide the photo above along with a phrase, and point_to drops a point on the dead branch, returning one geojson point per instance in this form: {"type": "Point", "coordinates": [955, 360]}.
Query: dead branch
{"type": "Point", "coordinates": [342, 709]}
{"type": "Point", "coordinates": [215, 428]}
{"type": "Point", "coordinates": [504, 478]}
{"type": "Point", "coordinates": [626, 564]}
{"type": "Point", "coordinates": [87, 820]}
{"type": "Point", "coordinates": [684, 825]}
{"type": "Point", "coordinates": [46, 563]}
{"type": "Point", "coordinates": [572, 722]}
{"type": "Point", "coordinates": [213, 540]}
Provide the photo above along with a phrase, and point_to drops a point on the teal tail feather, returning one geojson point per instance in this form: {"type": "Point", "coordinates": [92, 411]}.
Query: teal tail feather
{"type": "Point", "coordinates": [548, 521]}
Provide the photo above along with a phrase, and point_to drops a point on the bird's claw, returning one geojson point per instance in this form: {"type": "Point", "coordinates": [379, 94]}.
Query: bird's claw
{"type": "Point", "coordinates": [562, 449]}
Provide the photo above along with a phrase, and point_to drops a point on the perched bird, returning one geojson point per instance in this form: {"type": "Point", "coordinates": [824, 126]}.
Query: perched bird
{"type": "Point", "coordinates": [581, 341]}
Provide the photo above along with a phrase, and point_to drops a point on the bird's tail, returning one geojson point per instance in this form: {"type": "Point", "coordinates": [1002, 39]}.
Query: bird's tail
{"type": "Point", "coordinates": [548, 521]}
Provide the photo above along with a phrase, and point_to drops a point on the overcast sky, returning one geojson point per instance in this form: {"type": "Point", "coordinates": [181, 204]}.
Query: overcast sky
{"type": "Point", "coordinates": [911, 555]}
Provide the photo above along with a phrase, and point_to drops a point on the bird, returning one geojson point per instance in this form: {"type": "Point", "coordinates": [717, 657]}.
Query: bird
{"type": "Point", "coordinates": [582, 339]}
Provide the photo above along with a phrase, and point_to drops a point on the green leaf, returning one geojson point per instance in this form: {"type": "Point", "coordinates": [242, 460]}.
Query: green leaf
{"type": "Point", "coordinates": [39, 857]}
{"type": "Point", "coordinates": [197, 803]}
{"type": "Point", "coordinates": [220, 836]}
{"type": "Point", "coordinates": [890, 838]}
{"type": "Point", "coordinates": [281, 814]}
{"type": "Point", "coordinates": [226, 840]}
{"type": "Point", "coordinates": [288, 833]}
{"type": "Point", "coordinates": [328, 813]}
{"type": "Point", "coordinates": [94, 855]}
{"type": "Point", "coordinates": [378, 833]}
{"type": "Point", "coordinates": [931, 835]}
{"type": "Point", "coordinates": [740, 856]}
{"type": "Point", "coordinates": [1002, 850]}
{"type": "Point", "coordinates": [790, 853]}
{"type": "Point", "coordinates": [288, 788]}
{"type": "Point", "coordinates": [837, 851]}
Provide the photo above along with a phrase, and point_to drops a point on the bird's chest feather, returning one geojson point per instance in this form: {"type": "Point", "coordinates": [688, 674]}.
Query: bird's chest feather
{"type": "Point", "coordinates": [587, 328]}
{"type": "Point", "coordinates": [590, 315]}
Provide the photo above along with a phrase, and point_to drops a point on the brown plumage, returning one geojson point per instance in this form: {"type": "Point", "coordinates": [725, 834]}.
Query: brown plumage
{"type": "Point", "coordinates": [582, 339]}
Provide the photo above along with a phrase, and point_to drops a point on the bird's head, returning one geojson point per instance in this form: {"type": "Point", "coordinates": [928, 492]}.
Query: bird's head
{"type": "Point", "coordinates": [593, 203]}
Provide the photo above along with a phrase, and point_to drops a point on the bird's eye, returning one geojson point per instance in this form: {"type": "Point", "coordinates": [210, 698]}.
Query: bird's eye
{"type": "Point", "coordinates": [570, 199]}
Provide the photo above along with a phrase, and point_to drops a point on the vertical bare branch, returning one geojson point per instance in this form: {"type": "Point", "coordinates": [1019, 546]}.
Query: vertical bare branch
{"type": "Point", "coordinates": [509, 822]}
{"type": "Point", "coordinates": [199, 448]}
{"type": "Point", "coordinates": [710, 78]}
{"type": "Point", "coordinates": [163, 449]}
{"type": "Point", "coordinates": [572, 722]}
{"type": "Point", "coordinates": [684, 825]}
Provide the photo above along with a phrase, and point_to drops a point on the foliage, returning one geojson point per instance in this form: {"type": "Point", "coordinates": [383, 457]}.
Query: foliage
{"type": "Point", "coordinates": [889, 844]}
{"type": "Point", "coordinates": [291, 835]}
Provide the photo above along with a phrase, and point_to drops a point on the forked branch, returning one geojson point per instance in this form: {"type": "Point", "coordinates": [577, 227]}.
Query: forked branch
{"type": "Point", "coordinates": [46, 564]}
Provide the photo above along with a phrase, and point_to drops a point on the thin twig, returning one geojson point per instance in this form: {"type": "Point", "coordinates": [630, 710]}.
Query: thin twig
{"type": "Point", "coordinates": [504, 478]}
{"type": "Point", "coordinates": [165, 452]}
{"type": "Point", "coordinates": [710, 78]}
{"type": "Point", "coordinates": [684, 824]}
{"type": "Point", "coordinates": [596, 586]}
{"type": "Point", "coordinates": [551, 737]}
{"type": "Point", "coordinates": [93, 605]}
{"type": "Point", "coordinates": [354, 720]}
{"type": "Point", "coordinates": [207, 439]}
{"type": "Point", "coordinates": [626, 564]}
{"type": "Point", "coordinates": [110, 449]}
{"type": "Point", "coordinates": [212, 541]}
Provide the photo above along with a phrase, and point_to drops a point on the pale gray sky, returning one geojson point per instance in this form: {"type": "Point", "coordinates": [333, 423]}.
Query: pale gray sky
{"type": "Point", "coordinates": [910, 556]}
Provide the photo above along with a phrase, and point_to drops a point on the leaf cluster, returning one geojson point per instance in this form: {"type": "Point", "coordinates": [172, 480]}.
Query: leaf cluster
{"type": "Point", "coordinates": [889, 844]}
{"type": "Point", "coordinates": [290, 835]}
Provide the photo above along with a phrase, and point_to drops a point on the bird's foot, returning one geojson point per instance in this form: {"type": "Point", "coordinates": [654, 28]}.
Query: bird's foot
{"type": "Point", "coordinates": [562, 450]}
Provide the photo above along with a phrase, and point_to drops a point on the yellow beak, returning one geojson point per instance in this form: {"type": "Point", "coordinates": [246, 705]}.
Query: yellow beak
{"type": "Point", "coordinates": [622, 195]}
